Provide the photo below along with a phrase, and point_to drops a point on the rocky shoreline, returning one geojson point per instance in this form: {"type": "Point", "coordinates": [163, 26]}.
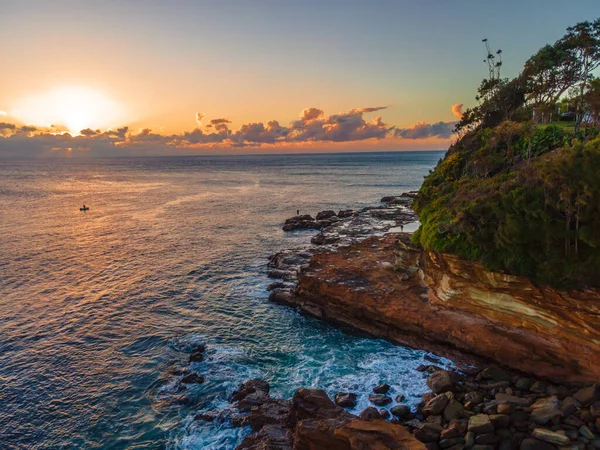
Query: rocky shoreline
{"type": "Point", "coordinates": [479, 404]}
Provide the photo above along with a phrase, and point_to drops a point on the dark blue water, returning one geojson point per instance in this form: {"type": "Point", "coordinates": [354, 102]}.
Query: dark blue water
{"type": "Point", "coordinates": [97, 308]}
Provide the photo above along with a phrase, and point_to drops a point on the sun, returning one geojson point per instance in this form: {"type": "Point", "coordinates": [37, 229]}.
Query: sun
{"type": "Point", "coordinates": [73, 108]}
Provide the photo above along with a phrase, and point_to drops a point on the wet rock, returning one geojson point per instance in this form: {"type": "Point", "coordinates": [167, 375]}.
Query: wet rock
{"type": "Point", "coordinates": [192, 378]}
{"type": "Point", "coordinates": [436, 405]}
{"type": "Point", "coordinates": [381, 389]}
{"type": "Point", "coordinates": [384, 414]}
{"type": "Point", "coordinates": [303, 222]}
{"type": "Point", "coordinates": [534, 444]}
{"type": "Point", "coordinates": [400, 398]}
{"type": "Point", "coordinates": [380, 400]}
{"type": "Point", "coordinates": [345, 399]}
{"type": "Point", "coordinates": [272, 437]}
{"type": "Point", "coordinates": [480, 424]}
{"type": "Point", "coordinates": [270, 412]}
{"type": "Point", "coordinates": [250, 387]}
{"type": "Point", "coordinates": [314, 403]}
{"type": "Point", "coordinates": [401, 411]}
{"type": "Point", "coordinates": [277, 285]}
{"type": "Point", "coordinates": [209, 416]}
{"type": "Point", "coordinates": [369, 413]}
{"type": "Point", "coordinates": [323, 239]}
{"type": "Point", "coordinates": [440, 382]}
{"type": "Point", "coordinates": [588, 395]}
{"type": "Point", "coordinates": [428, 433]}
{"type": "Point", "coordinates": [323, 215]}
{"type": "Point", "coordinates": [550, 436]}
{"type": "Point", "coordinates": [346, 213]}
{"type": "Point", "coordinates": [197, 353]}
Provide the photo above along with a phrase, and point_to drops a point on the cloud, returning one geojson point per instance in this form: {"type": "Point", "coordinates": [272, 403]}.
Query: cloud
{"type": "Point", "coordinates": [422, 130]}
{"type": "Point", "coordinates": [311, 129]}
{"type": "Point", "coordinates": [2, 113]}
{"type": "Point", "coordinates": [457, 110]}
{"type": "Point", "coordinates": [199, 117]}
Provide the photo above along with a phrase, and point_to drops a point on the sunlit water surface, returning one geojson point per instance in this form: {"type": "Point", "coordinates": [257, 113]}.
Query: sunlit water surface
{"type": "Point", "coordinates": [97, 307]}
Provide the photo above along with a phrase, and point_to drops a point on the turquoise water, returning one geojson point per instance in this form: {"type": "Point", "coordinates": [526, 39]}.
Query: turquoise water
{"type": "Point", "coordinates": [97, 308]}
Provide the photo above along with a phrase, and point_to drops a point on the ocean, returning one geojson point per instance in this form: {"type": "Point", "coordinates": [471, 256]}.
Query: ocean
{"type": "Point", "coordinates": [97, 308]}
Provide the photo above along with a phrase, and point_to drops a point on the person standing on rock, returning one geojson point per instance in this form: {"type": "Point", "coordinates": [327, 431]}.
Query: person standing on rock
{"type": "Point", "coordinates": [297, 212]}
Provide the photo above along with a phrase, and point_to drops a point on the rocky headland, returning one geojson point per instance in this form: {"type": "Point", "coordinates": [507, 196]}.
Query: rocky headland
{"type": "Point", "coordinates": [528, 357]}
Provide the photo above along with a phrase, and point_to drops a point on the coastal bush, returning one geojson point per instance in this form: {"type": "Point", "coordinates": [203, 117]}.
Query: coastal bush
{"type": "Point", "coordinates": [537, 216]}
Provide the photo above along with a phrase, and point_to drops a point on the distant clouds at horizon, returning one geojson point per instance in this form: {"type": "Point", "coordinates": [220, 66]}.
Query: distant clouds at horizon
{"type": "Point", "coordinates": [313, 128]}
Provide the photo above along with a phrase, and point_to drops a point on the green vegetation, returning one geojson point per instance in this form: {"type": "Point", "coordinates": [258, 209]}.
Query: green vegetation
{"type": "Point", "coordinates": [519, 195]}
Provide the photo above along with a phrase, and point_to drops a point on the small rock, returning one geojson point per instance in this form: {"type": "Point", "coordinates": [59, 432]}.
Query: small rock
{"type": "Point", "coordinates": [588, 395]}
{"type": "Point", "coordinates": [369, 413]}
{"type": "Point", "coordinates": [380, 400]}
{"type": "Point", "coordinates": [446, 443]}
{"type": "Point", "coordinates": [550, 436]}
{"type": "Point", "coordinates": [480, 424]}
{"type": "Point", "coordinates": [474, 397]}
{"type": "Point", "coordinates": [569, 406]}
{"type": "Point", "coordinates": [453, 410]}
{"type": "Point", "coordinates": [469, 439]}
{"type": "Point", "coordinates": [524, 384]}
{"type": "Point", "coordinates": [534, 444]}
{"type": "Point", "coordinates": [401, 411]}
{"type": "Point", "coordinates": [505, 408]}
{"type": "Point", "coordinates": [587, 433]}
{"type": "Point", "coordinates": [345, 399]}
{"type": "Point", "coordinates": [496, 374]}
{"type": "Point", "coordinates": [440, 382]}
{"type": "Point", "coordinates": [539, 386]}
{"type": "Point", "coordinates": [500, 420]}
{"type": "Point", "coordinates": [455, 429]}
{"type": "Point", "coordinates": [381, 389]}
{"type": "Point", "coordinates": [197, 354]}
{"type": "Point", "coordinates": [512, 400]}
{"type": "Point", "coordinates": [400, 398]}
{"type": "Point", "coordinates": [192, 378]}
{"type": "Point", "coordinates": [210, 416]}
{"type": "Point", "coordinates": [545, 410]}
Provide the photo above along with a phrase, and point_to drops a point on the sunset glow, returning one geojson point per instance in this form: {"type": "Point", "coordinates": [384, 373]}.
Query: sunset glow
{"type": "Point", "coordinates": [70, 108]}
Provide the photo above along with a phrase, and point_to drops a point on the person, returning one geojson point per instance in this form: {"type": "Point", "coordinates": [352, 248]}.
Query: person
{"type": "Point", "coordinates": [297, 212]}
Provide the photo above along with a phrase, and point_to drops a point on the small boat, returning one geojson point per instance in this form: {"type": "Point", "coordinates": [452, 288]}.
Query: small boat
{"type": "Point", "coordinates": [85, 208]}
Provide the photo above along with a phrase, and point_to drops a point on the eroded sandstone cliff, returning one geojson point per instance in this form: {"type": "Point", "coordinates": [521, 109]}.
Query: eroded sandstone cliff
{"type": "Point", "coordinates": [385, 287]}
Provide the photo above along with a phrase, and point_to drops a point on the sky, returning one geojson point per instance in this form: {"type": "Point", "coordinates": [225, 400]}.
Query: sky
{"type": "Point", "coordinates": [185, 76]}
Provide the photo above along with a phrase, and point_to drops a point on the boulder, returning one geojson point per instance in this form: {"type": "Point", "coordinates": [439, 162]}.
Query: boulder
{"type": "Point", "coordinates": [440, 382]}
{"type": "Point", "coordinates": [250, 387]}
{"type": "Point", "coordinates": [401, 411]}
{"type": "Point", "coordinates": [369, 413]}
{"type": "Point", "coordinates": [588, 395]}
{"type": "Point", "coordinates": [545, 409]}
{"type": "Point", "coordinates": [192, 378]}
{"type": "Point", "coordinates": [270, 412]}
{"type": "Point", "coordinates": [455, 428]}
{"type": "Point", "coordinates": [569, 406]}
{"type": "Point", "coordinates": [323, 215]}
{"type": "Point", "coordinates": [453, 410]}
{"type": "Point", "coordinates": [534, 444]}
{"type": "Point", "coordinates": [315, 404]}
{"type": "Point", "coordinates": [428, 433]}
{"type": "Point", "coordinates": [480, 424]}
{"type": "Point", "coordinates": [269, 437]}
{"type": "Point", "coordinates": [345, 399]}
{"type": "Point", "coordinates": [587, 433]}
{"type": "Point", "coordinates": [436, 405]}
{"type": "Point", "coordinates": [512, 399]}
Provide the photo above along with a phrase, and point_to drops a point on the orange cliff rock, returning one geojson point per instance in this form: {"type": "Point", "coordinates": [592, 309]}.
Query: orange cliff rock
{"type": "Point", "coordinates": [386, 288]}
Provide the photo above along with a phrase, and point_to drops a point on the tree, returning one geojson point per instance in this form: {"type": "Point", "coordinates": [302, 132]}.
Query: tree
{"type": "Point", "coordinates": [549, 74]}
{"type": "Point", "coordinates": [582, 42]}
{"type": "Point", "coordinates": [592, 100]}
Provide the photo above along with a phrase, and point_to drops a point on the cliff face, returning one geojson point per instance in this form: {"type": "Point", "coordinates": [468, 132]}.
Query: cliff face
{"type": "Point", "coordinates": [436, 301]}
